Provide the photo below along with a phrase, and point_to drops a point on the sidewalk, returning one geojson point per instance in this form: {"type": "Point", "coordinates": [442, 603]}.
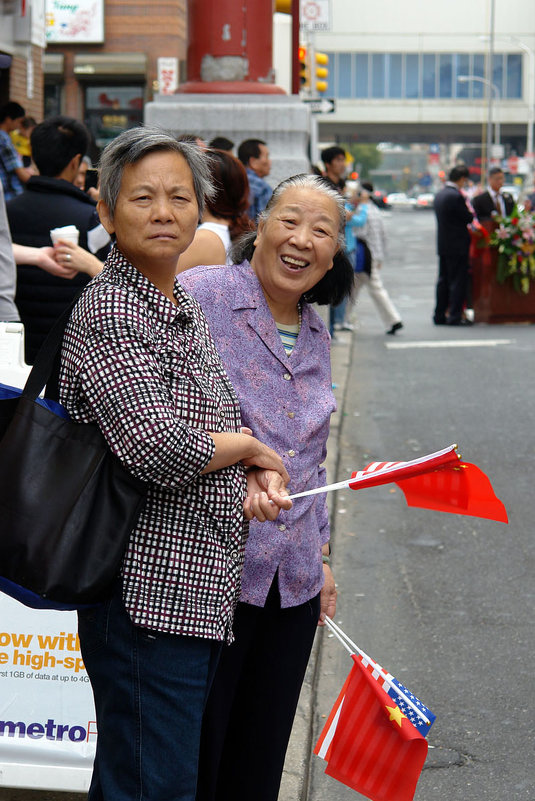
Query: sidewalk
{"type": "Point", "coordinates": [295, 776]}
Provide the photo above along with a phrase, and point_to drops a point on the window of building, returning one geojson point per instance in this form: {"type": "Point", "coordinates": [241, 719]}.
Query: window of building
{"type": "Point", "coordinates": [412, 75]}
{"type": "Point", "coordinates": [477, 88]}
{"type": "Point", "coordinates": [514, 75]}
{"type": "Point", "coordinates": [415, 76]}
{"type": "Point", "coordinates": [497, 73]}
{"type": "Point", "coordinates": [461, 66]}
{"type": "Point", "coordinates": [362, 75]}
{"type": "Point", "coordinates": [394, 75]}
{"type": "Point", "coordinates": [109, 110]}
{"type": "Point", "coordinates": [429, 84]}
{"type": "Point", "coordinates": [345, 75]}
{"type": "Point", "coordinates": [445, 75]}
{"type": "Point", "coordinates": [378, 75]}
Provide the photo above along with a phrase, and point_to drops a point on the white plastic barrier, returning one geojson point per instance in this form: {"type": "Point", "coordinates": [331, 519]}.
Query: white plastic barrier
{"type": "Point", "coordinates": [47, 717]}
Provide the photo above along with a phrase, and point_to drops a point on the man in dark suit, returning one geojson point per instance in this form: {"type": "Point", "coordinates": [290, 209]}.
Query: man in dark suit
{"type": "Point", "coordinates": [493, 202]}
{"type": "Point", "coordinates": [453, 243]}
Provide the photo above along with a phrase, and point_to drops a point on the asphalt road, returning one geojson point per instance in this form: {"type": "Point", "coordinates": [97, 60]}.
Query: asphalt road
{"type": "Point", "coordinates": [442, 601]}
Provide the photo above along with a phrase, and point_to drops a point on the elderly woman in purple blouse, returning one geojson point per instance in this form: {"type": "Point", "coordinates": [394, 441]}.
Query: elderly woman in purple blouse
{"type": "Point", "coordinates": [275, 349]}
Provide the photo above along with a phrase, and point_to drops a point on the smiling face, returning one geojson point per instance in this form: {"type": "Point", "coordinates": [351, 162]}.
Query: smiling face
{"type": "Point", "coordinates": [295, 247]}
{"type": "Point", "coordinates": [156, 213]}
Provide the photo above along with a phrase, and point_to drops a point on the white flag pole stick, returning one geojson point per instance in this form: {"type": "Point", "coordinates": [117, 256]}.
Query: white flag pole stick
{"type": "Point", "coordinates": [350, 646]}
{"type": "Point", "coordinates": [363, 478]}
{"type": "Point", "coordinates": [319, 490]}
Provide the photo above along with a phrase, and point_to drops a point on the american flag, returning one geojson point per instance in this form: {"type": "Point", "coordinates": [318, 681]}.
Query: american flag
{"type": "Point", "coordinates": [391, 686]}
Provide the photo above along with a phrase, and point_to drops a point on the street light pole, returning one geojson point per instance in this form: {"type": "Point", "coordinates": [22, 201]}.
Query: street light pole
{"type": "Point", "coordinates": [530, 90]}
{"type": "Point", "coordinates": [497, 129]}
{"type": "Point", "coordinates": [488, 82]}
{"type": "Point", "coordinates": [531, 98]}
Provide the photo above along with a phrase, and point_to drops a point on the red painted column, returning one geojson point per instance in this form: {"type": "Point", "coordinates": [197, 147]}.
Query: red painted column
{"type": "Point", "coordinates": [230, 47]}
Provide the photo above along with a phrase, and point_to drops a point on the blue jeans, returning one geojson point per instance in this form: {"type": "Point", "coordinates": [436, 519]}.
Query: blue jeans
{"type": "Point", "coordinates": [150, 691]}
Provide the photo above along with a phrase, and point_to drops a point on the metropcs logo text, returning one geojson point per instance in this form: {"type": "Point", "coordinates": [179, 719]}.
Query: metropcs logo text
{"type": "Point", "coordinates": [50, 730]}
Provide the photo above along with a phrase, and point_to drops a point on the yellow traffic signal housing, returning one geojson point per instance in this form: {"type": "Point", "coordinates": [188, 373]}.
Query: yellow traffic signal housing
{"type": "Point", "coordinates": [304, 72]}
{"type": "Point", "coordinates": [322, 73]}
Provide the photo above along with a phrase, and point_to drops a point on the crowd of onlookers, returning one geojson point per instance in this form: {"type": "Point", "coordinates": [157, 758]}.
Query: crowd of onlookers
{"type": "Point", "coordinates": [48, 182]}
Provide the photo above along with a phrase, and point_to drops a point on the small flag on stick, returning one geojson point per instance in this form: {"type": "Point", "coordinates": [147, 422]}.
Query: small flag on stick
{"type": "Point", "coordinates": [439, 481]}
{"type": "Point", "coordinates": [373, 740]}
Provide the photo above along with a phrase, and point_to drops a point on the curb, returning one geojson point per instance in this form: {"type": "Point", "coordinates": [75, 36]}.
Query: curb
{"type": "Point", "coordinates": [294, 784]}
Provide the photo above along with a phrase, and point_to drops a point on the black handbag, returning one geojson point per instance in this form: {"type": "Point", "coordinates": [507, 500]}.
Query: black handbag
{"type": "Point", "coordinates": [67, 504]}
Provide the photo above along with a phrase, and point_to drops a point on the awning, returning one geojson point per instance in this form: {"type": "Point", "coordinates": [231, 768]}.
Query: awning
{"type": "Point", "coordinates": [53, 64]}
{"type": "Point", "coordinates": [88, 65]}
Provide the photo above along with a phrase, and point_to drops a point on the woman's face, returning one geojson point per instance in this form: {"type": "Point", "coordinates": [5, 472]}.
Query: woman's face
{"type": "Point", "coordinates": [156, 212]}
{"type": "Point", "coordinates": [295, 247]}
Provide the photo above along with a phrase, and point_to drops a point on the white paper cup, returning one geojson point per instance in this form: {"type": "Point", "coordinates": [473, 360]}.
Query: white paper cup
{"type": "Point", "coordinates": [70, 233]}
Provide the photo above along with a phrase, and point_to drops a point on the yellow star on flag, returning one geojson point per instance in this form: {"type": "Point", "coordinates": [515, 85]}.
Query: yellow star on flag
{"type": "Point", "coordinates": [396, 714]}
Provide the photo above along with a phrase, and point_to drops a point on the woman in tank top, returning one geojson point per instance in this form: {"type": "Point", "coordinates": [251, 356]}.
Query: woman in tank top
{"type": "Point", "coordinates": [225, 216]}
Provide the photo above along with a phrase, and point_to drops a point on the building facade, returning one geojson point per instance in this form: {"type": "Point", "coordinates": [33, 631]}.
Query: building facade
{"type": "Point", "coordinates": [413, 72]}
{"type": "Point", "coordinates": [22, 42]}
{"type": "Point", "coordinates": [103, 60]}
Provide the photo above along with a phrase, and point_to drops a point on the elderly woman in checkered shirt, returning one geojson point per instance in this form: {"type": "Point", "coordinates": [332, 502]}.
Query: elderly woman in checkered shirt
{"type": "Point", "coordinates": [138, 359]}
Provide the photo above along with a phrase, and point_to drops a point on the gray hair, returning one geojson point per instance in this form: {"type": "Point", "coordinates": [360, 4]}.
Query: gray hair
{"type": "Point", "coordinates": [244, 247]}
{"type": "Point", "coordinates": [134, 144]}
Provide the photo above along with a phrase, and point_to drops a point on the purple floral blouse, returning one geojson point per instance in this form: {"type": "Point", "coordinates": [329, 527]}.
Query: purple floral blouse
{"type": "Point", "coordinates": [287, 401]}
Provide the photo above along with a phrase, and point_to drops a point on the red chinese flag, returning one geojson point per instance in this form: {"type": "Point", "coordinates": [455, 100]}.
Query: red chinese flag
{"type": "Point", "coordinates": [375, 749]}
{"type": "Point", "coordinates": [463, 489]}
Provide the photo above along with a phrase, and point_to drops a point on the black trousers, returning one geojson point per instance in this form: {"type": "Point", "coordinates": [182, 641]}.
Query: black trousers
{"type": "Point", "coordinates": [451, 288]}
{"type": "Point", "coordinates": [252, 703]}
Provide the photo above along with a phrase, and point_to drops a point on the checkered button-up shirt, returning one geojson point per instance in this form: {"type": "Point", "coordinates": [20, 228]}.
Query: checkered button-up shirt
{"type": "Point", "coordinates": [149, 374]}
{"type": "Point", "coordinates": [10, 160]}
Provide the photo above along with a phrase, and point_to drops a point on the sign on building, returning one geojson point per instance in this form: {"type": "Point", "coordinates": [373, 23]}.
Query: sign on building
{"type": "Point", "coordinates": [167, 75]}
{"type": "Point", "coordinates": [315, 15]}
{"type": "Point", "coordinates": [75, 22]}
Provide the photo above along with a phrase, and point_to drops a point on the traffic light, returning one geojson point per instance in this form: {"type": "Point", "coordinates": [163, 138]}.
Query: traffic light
{"type": "Point", "coordinates": [304, 74]}
{"type": "Point", "coordinates": [322, 73]}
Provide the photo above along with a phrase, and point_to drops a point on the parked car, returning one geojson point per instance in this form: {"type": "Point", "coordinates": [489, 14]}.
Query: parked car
{"type": "Point", "coordinates": [425, 201]}
{"type": "Point", "coordinates": [380, 200]}
{"type": "Point", "coordinates": [400, 200]}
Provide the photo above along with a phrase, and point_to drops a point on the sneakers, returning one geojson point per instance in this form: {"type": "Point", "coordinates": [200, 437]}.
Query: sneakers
{"type": "Point", "coordinates": [396, 327]}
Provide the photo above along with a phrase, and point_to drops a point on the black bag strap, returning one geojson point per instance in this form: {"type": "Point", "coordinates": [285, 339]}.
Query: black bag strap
{"type": "Point", "coordinates": [46, 363]}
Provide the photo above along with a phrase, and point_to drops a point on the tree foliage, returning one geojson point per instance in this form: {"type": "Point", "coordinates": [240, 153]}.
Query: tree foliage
{"type": "Point", "coordinates": [366, 157]}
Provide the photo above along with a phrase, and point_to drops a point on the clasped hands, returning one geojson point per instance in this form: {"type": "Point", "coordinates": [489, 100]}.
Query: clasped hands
{"type": "Point", "coordinates": [267, 479]}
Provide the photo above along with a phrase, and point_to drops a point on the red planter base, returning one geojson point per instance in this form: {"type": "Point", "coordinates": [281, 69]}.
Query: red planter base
{"type": "Point", "coordinates": [494, 302]}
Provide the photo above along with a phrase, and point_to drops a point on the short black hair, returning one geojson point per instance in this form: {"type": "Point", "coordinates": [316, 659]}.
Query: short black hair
{"type": "Point", "coordinates": [55, 142]}
{"type": "Point", "coordinates": [330, 153]}
{"type": "Point", "coordinates": [458, 172]}
{"type": "Point", "coordinates": [495, 170]}
{"type": "Point", "coordinates": [221, 143]}
{"type": "Point", "coordinates": [367, 185]}
{"type": "Point", "coordinates": [249, 149]}
{"type": "Point", "coordinates": [12, 110]}
{"type": "Point", "coordinates": [336, 285]}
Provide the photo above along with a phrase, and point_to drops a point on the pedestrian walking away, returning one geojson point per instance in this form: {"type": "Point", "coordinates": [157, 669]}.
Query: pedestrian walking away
{"type": "Point", "coordinates": [371, 230]}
